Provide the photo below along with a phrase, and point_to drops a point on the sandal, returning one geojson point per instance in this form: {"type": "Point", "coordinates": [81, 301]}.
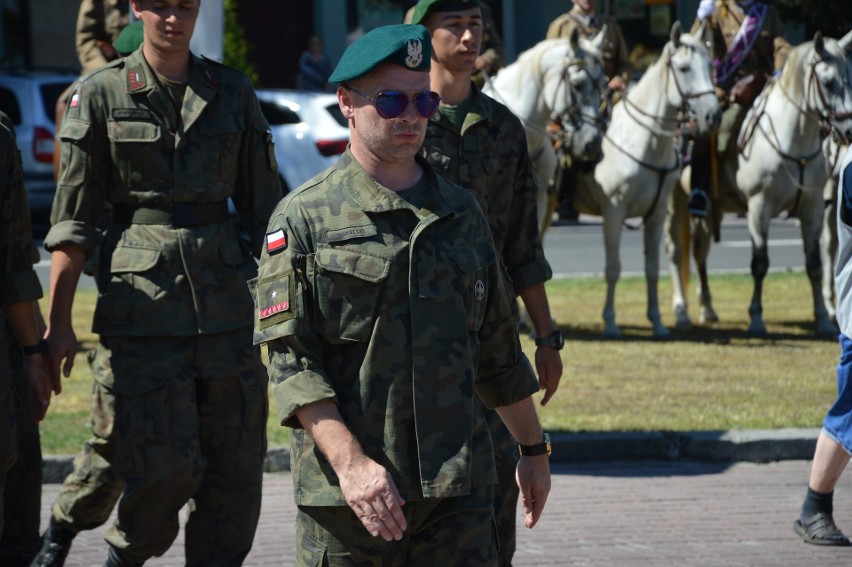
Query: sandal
{"type": "Point", "coordinates": [820, 529]}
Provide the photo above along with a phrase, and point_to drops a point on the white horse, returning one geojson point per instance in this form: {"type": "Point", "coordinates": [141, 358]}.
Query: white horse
{"type": "Point", "coordinates": [557, 79]}
{"type": "Point", "coordinates": [779, 167]}
{"type": "Point", "coordinates": [640, 163]}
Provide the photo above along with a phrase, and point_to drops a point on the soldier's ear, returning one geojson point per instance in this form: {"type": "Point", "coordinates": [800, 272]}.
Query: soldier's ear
{"type": "Point", "coordinates": [346, 102]}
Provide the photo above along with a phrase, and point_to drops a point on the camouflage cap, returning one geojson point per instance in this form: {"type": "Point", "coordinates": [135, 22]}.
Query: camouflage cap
{"type": "Point", "coordinates": [426, 7]}
{"type": "Point", "coordinates": [407, 45]}
{"type": "Point", "coordinates": [129, 39]}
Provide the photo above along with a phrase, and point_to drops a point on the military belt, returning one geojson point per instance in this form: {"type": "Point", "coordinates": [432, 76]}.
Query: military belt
{"type": "Point", "coordinates": [174, 214]}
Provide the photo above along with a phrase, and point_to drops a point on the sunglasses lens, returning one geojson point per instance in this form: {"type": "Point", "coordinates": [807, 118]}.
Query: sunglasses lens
{"type": "Point", "coordinates": [391, 104]}
{"type": "Point", "coordinates": [427, 103]}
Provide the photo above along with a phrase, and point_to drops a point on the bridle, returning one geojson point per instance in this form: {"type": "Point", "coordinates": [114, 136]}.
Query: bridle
{"type": "Point", "coordinates": [685, 112]}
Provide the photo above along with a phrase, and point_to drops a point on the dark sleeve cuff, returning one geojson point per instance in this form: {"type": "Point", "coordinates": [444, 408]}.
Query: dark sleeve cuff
{"type": "Point", "coordinates": [20, 287]}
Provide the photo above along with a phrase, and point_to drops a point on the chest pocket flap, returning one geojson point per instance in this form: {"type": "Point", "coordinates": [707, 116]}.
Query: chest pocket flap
{"type": "Point", "coordinates": [221, 124]}
{"type": "Point", "coordinates": [132, 131]}
{"type": "Point", "coordinates": [362, 266]}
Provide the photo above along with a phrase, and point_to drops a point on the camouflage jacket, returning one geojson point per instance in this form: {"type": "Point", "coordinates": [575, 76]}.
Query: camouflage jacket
{"type": "Point", "coordinates": [770, 49]}
{"type": "Point", "coordinates": [99, 20]}
{"type": "Point", "coordinates": [122, 143]}
{"type": "Point", "coordinates": [615, 57]}
{"type": "Point", "coordinates": [489, 158]}
{"type": "Point", "coordinates": [398, 330]}
{"type": "Point", "coordinates": [18, 280]}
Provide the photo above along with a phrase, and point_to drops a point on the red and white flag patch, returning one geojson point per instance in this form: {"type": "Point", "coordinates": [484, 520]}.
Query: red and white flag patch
{"type": "Point", "coordinates": [75, 100]}
{"type": "Point", "coordinates": [276, 241]}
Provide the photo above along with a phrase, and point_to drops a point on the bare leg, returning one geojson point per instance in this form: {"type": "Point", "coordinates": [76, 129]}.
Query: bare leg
{"type": "Point", "coordinates": [829, 462]}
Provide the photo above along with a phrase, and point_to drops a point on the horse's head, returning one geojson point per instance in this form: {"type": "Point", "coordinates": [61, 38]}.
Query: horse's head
{"type": "Point", "coordinates": [828, 90]}
{"type": "Point", "coordinates": [572, 88]}
{"type": "Point", "coordinates": [691, 85]}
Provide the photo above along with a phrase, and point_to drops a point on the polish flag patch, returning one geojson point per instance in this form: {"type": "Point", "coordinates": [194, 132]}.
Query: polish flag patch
{"type": "Point", "coordinates": [75, 100]}
{"type": "Point", "coordinates": [276, 241]}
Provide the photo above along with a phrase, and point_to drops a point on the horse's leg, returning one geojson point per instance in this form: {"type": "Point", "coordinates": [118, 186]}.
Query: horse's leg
{"type": "Point", "coordinates": [812, 221]}
{"type": "Point", "coordinates": [653, 233]}
{"type": "Point", "coordinates": [544, 170]}
{"type": "Point", "coordinates": [828, 250]}
{"type": "Point", "coordinates": [702, 236]}
{"type": "Point", "coordinates": [612, 221]}
{"type": "Point", "coordinates": [677, 250]}
{"type": "Point", "coordinates": [758, 228]}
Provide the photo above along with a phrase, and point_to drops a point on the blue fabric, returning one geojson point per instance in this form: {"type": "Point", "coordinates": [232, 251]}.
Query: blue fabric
{"type": "Point", "coordinates": [838, 420]}
{"type": "Point", "coordinates": [846, 184]}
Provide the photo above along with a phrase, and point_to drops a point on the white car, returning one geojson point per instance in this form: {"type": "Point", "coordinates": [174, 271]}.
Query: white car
{"type": "Point", "coordinates": [29, 99]}
{"type": "Point", "coordinates": [309, 132]}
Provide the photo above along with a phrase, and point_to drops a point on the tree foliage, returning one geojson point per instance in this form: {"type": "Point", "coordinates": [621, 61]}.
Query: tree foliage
{"type": "Point", "coordinates": [832, 17]}
{"type": "Point", "coordinates": [237, 49]}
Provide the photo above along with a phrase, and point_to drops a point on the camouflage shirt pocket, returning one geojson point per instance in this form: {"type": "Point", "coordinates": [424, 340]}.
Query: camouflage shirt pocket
{"type": "Point", "coordinates": [349, 291]}
{"type": "Point", "coordinates": [473, 261]}
{"type": "Point", "coordinates": [132, 289]}
{"type": "Point", "coordinates": [221, 145]}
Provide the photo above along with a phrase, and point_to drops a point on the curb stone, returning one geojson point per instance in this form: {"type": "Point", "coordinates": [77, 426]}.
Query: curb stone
{"type": "Point", "coordinates": [756, 446]}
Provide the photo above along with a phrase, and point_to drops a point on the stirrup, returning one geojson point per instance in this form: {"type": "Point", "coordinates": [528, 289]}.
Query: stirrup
{"type": "Point", "coordinates": [697, 204]}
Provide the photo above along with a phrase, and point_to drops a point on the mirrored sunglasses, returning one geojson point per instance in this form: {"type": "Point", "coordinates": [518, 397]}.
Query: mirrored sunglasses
{"type": "Point", "coordinates": [390, 104]}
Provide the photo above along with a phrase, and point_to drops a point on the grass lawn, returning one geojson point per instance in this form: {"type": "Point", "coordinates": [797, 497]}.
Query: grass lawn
{"type": "Point", "coordinates": [706, 378]}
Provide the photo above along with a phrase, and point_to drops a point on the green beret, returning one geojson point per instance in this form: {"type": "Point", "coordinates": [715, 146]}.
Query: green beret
{"type": "Point", "coordinates": [129, 39]}
{"type": "Point", "coordinates": [426, 7]}
{"type": "Point", "coordinates": [406, 45]}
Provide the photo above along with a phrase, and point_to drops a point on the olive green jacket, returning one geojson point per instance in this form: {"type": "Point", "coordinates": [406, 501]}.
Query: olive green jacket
{"type": "Point", "coordinates": [400, 329]}
{"type": "Point", "coordinates": [122, 143]}
{"type": "Point", "coordinates": [489, 158]}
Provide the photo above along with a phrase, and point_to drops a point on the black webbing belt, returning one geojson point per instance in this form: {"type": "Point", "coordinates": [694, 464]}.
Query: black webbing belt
{"type": "Point", "coordinates": [174, 214]}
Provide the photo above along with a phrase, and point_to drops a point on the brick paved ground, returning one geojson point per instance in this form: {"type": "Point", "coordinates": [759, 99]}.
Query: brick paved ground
{"type": "Point", "coordinates": [631, 514]}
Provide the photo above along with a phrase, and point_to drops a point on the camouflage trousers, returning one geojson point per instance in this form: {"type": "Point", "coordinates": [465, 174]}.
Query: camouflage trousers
{"type": "Point", "coordinates": [190, 422]}
{"type": "Point", "coordinates": [506, 492]}
{"type": "Point", "coordinates": [22, 497]}
{"type": "Point", "coordinates": [441, 531]}
{"type": "Point", "coordinates": [90, 491]}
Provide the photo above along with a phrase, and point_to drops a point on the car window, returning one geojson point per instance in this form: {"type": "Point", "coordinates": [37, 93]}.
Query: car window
{"type": "Point", "coordinates": [334, 110]}
{"type": "Point", "coordinates": [277, 114]}
{"type": "Point", "coordinates": [9, 105]}
{"type": "Point", "coordinates": [49, 95]}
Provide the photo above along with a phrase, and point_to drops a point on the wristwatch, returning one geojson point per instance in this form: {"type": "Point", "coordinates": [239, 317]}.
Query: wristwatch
{"type": "Point", "coordinates": [39, 348]}
{"type": "Point", "coordinates": [555, 340]}
{"type": "Point", "coordinates": [542, 448]}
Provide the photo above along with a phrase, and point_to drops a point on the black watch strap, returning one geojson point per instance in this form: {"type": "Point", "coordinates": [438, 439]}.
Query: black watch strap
{"type": "Point", "coordinates": [542, 448]}
{"type": "Point", "coordinates": [554, 340]}
{"type": "Point", "coordinates": [39, 348]}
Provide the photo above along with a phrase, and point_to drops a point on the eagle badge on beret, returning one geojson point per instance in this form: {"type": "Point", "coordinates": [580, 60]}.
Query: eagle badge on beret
{"type": "Point", "coordinates": [415, 53]}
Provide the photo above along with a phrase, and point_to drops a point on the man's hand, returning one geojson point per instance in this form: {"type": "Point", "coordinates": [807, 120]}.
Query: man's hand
{"type": "Point", "coordinates": [371, 493]}
{"type": "Point", "coordinates": [548, 364]}
{"type": "Point", "coordinates": [37, 368]}
{"type": "Point", "coordinates": [533, 478]}
{"type": "Point", "coordinates": [617, 83]}
{"type": "Point", "coordinates": [63, 348]}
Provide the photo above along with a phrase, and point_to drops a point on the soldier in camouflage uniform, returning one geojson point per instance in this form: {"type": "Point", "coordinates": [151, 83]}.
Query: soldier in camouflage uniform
{"type": "Point", "coordinates": [91, 489]}
{"type": "Point", "coordinates": [166, 138]}
{"type": "Point", "coordinates": [22, 496]}
{"type": "Point", "coordinates": [479, 144]}
{"type": "Point", "coordinates": [19, 290]}
{"type": "Point", "coordinates": [381, 299]}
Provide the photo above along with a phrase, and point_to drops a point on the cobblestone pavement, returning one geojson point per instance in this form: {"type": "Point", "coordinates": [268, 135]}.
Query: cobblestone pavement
{"type": "Point", "coordinates": [623, 513]}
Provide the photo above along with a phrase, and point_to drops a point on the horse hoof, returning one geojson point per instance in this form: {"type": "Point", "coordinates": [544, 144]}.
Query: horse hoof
{"type": "Point", "coordinates": [709, 316]}
{"type": "Point", "coordinates": [662, 334]}
{"type": "Point", "coordinates": [826, 330]}
{"type": "Point", "coordinates": [757, 331]}
{"type": "Point", "coordinates": [612, 333]}
{"type": "Point", "coordinates": [683, 324]}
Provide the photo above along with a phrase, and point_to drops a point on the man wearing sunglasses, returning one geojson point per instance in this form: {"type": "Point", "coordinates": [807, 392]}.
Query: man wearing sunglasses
{"type": "Point", "coordinates": [380, 297]}
{"type": "Point", "coordinates": [478, 143]}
